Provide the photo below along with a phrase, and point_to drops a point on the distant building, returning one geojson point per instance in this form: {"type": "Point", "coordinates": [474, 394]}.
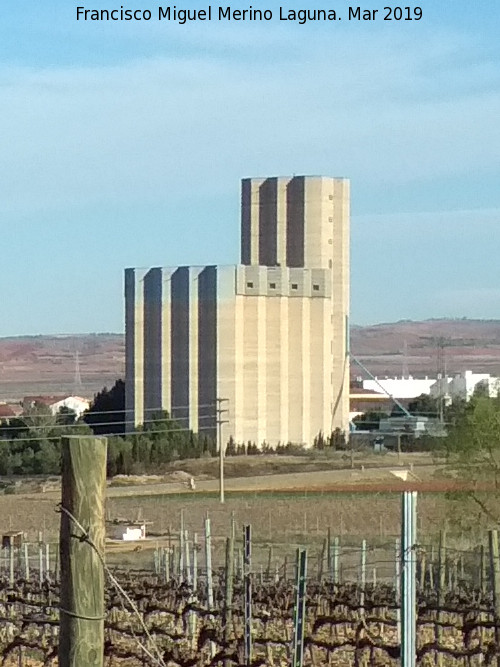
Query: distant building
{"type": "Point", "coordinates": [10, 410]}
{"type": "Point", "coordinates": [365, 400]}
{"type": "Point", "coordinates": [414, 425]}
{"type": "Point", "coordinates": [463, 385]}
{"type": "Point", "coordinates": [400, 388]}
{"type": "Point", "coordinates": [75, 403]}
{"type": "Point", "coordinates": [269, 334]}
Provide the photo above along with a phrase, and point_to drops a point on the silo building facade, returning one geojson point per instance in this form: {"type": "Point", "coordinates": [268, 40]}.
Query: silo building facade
{"type": "Point", "coordinates": [269, 334]}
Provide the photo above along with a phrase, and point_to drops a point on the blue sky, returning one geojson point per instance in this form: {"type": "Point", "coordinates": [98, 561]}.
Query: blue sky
{"type": "Point", "coordinates": [123, 145]}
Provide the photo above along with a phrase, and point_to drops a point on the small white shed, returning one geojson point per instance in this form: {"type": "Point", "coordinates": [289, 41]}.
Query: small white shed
{"type": "Point", "coordinates": [131, 532]}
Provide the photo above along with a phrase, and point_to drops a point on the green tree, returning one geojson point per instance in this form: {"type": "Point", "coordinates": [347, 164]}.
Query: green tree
{"type": "Point", "coordinates": [424, 406]}
{"type": "Point", "coordinates": [473, 451]}
{"type": "Point", "coordinates": [106, 415]}
{"type": "Point", "coordinates": [369, 421]}
{"type": "Point", "coordinates": [47, 460]}
{"type": "Point", "coordinates": [66, 416]}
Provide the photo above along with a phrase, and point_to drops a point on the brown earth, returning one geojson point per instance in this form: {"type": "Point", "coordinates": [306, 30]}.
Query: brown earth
{"type": "Point", "coordinates": [48, 364]}
{"type": "Point", "coordinates": [285, 510]}
{"type": "Point", "coordinates": [385, 349]}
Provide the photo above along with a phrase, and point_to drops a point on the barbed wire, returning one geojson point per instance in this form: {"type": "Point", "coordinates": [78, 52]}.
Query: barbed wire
{"type": "Point", "coordinates": [85, 538]}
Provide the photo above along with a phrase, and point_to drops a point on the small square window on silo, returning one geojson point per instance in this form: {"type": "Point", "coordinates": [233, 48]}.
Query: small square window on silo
{"type": "Point", "coordinates": [316, 287]}
{"type": "Point", "coordinates": [272, 285]}
{"type": "Point", "coordinates": [295, 286]}
{"type": "Point", "coordinates": [249, 284]}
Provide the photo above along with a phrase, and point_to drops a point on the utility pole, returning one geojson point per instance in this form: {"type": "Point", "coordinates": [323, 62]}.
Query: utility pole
{"type": "Point", "coordinates": [220, 411]}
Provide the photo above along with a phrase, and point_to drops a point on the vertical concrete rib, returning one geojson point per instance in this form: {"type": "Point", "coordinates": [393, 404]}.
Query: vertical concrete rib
{"type": "Point", "coordinates": [250, 207]}
{"type": "Point", "coordinates": [246, 220]}
{"type": "Point", "coordinates": [152, 342]}
{"type": "Point", "coordinates": [318, 361]}
{"type": "Point", "coordinates": [262, 360]}
{"type": "Point", "coordinates": [281, 187]}
{"type": "Point", "coordinates": [340, 302]}
{"type": "Point", "coordinates": [228, 382]}
{"type": "Point", "coordinates": [295, 369]}
{"type": "Point", "coordinates": [207, 350]}
{"type": "Point", "coordinates": [327, 365]}
{"type": "Point", "coordinates": [239, 369]}
{"type": "Point", "coordinates": [273, 368]}
{"type": "Point", "coordinates": [166, 340]}
{"type": "Point", "coordinates": [295, 210]}
{"type": "Point", "coordinates": [306, 372]}
{"type": "Point", "coordinates": [134, 337]}
{"type": "Point", "coordinates": [250, 368]}
{"type": "Point", "coordinates": [180, 345]}
{"type": "Point", "coordinates": [284, 362]}
{"type": "Point", "coordinates": [193, 348]}
{"type": "Point", "coordinates": [268, 222]}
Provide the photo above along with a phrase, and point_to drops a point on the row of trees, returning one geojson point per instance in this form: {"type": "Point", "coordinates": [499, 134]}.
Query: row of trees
{"type": "Point", "coordinates": [30, 444]}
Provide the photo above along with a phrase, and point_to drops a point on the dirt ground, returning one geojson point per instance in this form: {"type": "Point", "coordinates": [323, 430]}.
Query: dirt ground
{"type": "Point", "coordinates": [295, 506]}
{"type": "Point", "coordinates": [33, 507]}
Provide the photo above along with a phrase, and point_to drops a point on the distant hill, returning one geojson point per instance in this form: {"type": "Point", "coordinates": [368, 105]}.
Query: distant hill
{"type": "Point", "coordinates": [54, 364]}
{"type": "Point", "coordinates": [456, 345]}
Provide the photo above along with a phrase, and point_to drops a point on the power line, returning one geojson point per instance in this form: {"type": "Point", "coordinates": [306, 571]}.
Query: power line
{"type": "Point", "coordinates": [77, 424]}
{"type": "Point", "coordinates": [118, 435]}
{"type": "Point", "coordinates": [124, 410]}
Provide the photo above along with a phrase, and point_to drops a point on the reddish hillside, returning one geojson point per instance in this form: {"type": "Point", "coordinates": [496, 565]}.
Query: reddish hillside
{"type": "Point", "coordinates": [48, 364]}
{"type": "Point", "coordinates": [59, 364]}
{"type": "Point", "coordinates": [455, 345]}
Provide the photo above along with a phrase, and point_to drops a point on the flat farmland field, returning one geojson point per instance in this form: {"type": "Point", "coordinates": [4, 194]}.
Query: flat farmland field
{"type": "Point", "coordinates": [288, 501]}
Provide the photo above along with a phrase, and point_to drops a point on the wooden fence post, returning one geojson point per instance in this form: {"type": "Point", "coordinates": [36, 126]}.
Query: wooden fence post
{"type": "Point", "coordinates": [82, 610]}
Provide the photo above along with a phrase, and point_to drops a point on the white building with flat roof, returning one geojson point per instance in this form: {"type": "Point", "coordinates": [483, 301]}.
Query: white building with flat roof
{"type": "Point", "coordinates": [401, 388]}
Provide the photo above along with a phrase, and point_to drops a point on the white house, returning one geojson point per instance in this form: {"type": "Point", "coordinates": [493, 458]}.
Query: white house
{"type": "Point", "coordinates": [55, 403]}
{"type": "Point", "coordinates": [75, 403]}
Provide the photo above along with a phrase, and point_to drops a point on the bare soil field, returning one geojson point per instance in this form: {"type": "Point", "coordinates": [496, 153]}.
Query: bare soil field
{"type": "Point", "coordinates": [37, 365]}
{"type": "Point", "coordinates": [466, 345]}
{"type": "Point", "coordinates": [285, 510]}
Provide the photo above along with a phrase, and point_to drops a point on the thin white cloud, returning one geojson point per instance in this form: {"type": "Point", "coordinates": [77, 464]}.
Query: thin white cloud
{"type": "Point", "coordinates": [142, 130]}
